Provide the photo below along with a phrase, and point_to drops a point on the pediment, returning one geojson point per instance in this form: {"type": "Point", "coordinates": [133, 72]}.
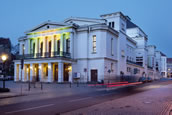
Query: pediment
{"type": "Point", "coordinates": [47, 25]}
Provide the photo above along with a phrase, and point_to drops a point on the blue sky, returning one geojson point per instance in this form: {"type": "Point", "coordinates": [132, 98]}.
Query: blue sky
{"type": "Point", "coordinates": [153, 16]}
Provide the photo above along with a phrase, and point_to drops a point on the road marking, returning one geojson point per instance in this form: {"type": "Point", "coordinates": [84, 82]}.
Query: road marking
{"type": "Point", "coordinates": [80, 99]}
{"type": "Point", "coordinates": [106, 94]}
{"type": "Point", "coordinates": [21, 110]}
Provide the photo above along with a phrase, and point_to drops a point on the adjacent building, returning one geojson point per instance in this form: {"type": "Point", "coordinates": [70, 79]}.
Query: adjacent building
{"type": "Point", "coordinates": [88, 49]}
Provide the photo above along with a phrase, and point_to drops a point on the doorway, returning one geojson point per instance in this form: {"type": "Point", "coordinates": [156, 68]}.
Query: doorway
{"type": "Point", "coordinates": [56, 73]}
{"type": "Point", "coordinates": [66, 71]}
{"type": "Point", "coordinates": [94, 75]}
{"type": "Point", "coordinates": [36, 70]}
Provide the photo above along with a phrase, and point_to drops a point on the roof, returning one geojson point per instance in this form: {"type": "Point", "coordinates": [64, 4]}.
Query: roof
{"type": "Point", "coordinates": [131, 24]}
{"type": "Point", "coordinates": [115, 13]}
{"type": "Point", "coordinates": [162, 54]}
{"type": "Point", "coordinates": [47, 23]}
{"type": "Point", "coordinates": [85, 19]}
{"type": "Point", "coordinates": [4, 40]}
{"type": "Point", "coordinates": [169, 60]}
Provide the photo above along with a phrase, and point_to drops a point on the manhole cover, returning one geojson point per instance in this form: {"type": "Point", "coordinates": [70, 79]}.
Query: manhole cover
{"type": "Point", "coordinates": [147, 102]}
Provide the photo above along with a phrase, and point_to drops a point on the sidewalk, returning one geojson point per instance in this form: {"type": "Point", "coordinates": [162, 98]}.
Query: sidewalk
{"type": "Point", "coordinates": [19, 91]}
{"type": "Point", "coordinates": [151, 102]}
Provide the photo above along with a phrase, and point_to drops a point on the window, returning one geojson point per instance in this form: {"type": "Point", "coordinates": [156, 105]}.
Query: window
{"type": "Point", "coordinates": [123, 26]}
{"type": "Point", "coordinates": [94, 43]}
{"type": "Point", "coordinates": [128, 69]}
{"type": "Point", "coordinates": [67, 45]}
{"type": "Point", "coordinates": [112, 47]}
{"type": "Point", "coordinates": [58, 45]}
{"type": "Point", "coordinates": [23, 48]}
{"type": "Point", "coordinates": [109, 24]}
{"type": "Point", "coordinates": [113, 24]}
{"type": "Point", "coordinates": [33, 48]}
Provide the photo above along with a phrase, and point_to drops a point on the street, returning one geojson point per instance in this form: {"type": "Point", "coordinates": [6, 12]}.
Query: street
{"type": "Point", "coordinates": [59, 105]}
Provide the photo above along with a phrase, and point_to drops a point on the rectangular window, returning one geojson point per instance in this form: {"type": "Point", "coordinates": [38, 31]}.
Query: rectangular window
{"type": "Point", "coordinates": [67, 45]}
{"type": "Point", "coordinates": [58, 45]}
{"type": "Point", "coordinates": [128, 69]}
{"type": "Point", "coordinates": [112, 47]}
{"type": "Point", "coordinates": [23, 48]}
{"type": "Point", "coordinates": [94, 43]}
{"type": "Point", "coordinates": [109, 24]}
{"type": "Point", "coordinates": [113, 24]}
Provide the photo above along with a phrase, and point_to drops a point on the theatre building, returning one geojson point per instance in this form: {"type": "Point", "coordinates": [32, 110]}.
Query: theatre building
{"type": "Point", "coordinates": [59, 52]}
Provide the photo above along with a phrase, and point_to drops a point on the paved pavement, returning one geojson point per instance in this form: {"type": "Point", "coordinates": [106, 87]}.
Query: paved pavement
{"type": "Point", "coordinates": [147, 99]}
{"type": "Point", "coordinates": [20, 92]}
{"type": "Point", "coordinates": [157, 101]}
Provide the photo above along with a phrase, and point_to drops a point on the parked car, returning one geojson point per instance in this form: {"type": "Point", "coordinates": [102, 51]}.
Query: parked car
{"type": "Point", "coordinates": [149, 79]}
{"type": "Point", "coordinates": [142, 79]}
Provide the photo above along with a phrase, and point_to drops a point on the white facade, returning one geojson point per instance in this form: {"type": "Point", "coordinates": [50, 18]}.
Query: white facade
{"type": "Point", "coordinates": [84, 48]}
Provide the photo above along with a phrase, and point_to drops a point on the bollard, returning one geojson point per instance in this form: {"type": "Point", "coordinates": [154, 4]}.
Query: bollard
{"type": "Point", "coordinates": [29, 86]}
{"type": "Point", "coordinates": [70, 84]}
{"type": "Point", "coordinates": [77, 84]}
{"type": "Point", "coordinates": [41, 86]}
{"type": "Point", "coordinates": [34, 84]}
{"type": "Point", "coordinates": [21, 89]}
{"type": "Point", "coordinates": [4, 83]}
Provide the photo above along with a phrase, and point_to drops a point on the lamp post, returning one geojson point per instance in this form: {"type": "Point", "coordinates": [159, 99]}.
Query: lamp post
{"type": "Point", "coordinates": [4, 58]}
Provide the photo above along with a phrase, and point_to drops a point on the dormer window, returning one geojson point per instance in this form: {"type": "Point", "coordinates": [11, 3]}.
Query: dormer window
{"type": "Point", "coordinates": [48, 27]}
{"type": "Point", "coordinates": [113, 24]}
{"type": "Point", "coordinates": [109, 24]}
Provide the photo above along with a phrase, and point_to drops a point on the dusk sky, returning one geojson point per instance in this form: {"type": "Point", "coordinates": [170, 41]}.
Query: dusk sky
{"type": "Point", "coordinates": [153, 16]}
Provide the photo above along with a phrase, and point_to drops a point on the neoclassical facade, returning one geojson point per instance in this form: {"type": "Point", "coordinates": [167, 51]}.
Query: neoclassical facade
{"type": "Point", "coordinates": [87, 49]}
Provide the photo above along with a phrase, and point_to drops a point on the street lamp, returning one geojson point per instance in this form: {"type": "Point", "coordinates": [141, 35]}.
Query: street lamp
{"type": "Point", "coordinates": [4, 58]}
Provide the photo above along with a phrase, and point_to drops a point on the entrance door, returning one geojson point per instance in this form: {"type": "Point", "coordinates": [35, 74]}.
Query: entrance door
{"type": "Point", "coordinates": [37, 72]}
{"type": "Point", "coordinates": [66, 72]}
{"type": "Point", "coordinates": [56, 73]}
{"type": "Point", "coordinates": [94, 75]}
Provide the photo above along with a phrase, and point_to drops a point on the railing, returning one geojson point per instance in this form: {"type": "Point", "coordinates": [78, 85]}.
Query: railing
{"type": "Point", "coordinates": [44, 55]}
{"type": "Point", "coordinates": [134, 63]}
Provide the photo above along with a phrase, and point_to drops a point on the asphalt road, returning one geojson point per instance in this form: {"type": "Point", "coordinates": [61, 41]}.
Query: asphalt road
{"type": "Point", "coordinates": [55, 106]}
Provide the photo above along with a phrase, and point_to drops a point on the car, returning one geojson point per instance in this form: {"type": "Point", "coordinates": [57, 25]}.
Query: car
{"type": "Point", "coordinates": [149, 79]}
{"type": "Point", "coordinates": [142, 79]}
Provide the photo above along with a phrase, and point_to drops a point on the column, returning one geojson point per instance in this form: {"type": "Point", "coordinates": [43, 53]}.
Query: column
{"type": "Point", "coordinates": [26, 47]}
{"type": "Point", "coordinates": [50, 72]}
{"type": "Point", "coordinates": [40, 72]}
{"type": "Point", "coordinates": [47, 44]}
{"type": "Point", "coordinates": [64, 43]}
{"type": "Point", "coordinates": [70, 74]}
{"type": "Point", "coordinates": [24, 72]}
{"type": "Point", "coordinates": [31, 72]}
{"type": "Point", "coordinates": [55, 43]}
{"type": "Point", "coordinates": [19, 72]}
{"type": "Point", "coordinates": [71, 45]}
{"type": "Point", "coordinates": [15, 73]}
{"type": "Point", "coordinates": [60, 71]}
{"type": "Point", "coordinates": [52, 45]}
{"type": "Point", "coordinates": [44, 46]}
{"type": "Point", "coordinates": [61, 45]}
{"type": "Point", "coordinates": [28, 44]}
